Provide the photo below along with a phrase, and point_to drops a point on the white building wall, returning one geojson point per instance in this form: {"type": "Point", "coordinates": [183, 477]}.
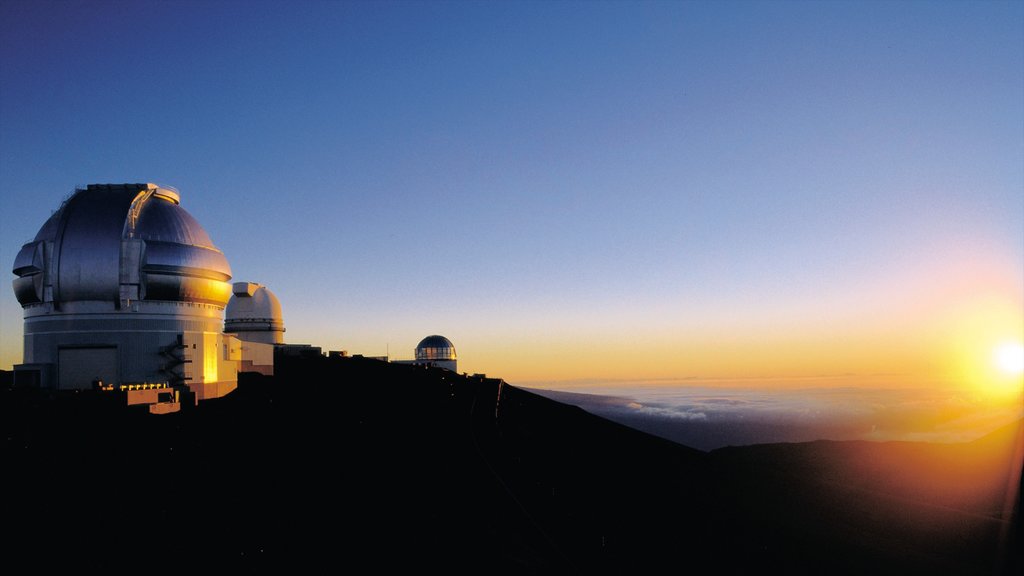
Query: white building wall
{"type": "Point", "coordinates": [149, 343]}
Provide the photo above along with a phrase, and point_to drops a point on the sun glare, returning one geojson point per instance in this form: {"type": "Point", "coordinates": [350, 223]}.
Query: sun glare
{"type": "Point", "coordinates": [1005, 374]}
{"type": "Point", "coordinates": [1009, 358]}
{"type": "Point", "coordinates": [986, 349]}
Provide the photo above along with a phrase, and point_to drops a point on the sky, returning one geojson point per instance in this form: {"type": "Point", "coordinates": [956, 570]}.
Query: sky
{"type": "Point", "coordinates": [765, 194]}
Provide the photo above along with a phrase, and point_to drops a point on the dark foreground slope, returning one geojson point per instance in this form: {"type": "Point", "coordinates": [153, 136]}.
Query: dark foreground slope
{"type": "Point", "coordinates": [358, 464]}
{"type": "Point", "coordinates": [895, 507]}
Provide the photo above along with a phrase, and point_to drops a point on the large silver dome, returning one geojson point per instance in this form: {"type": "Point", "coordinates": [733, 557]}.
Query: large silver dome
{"type": "Point", "coordinates": [121, 285]}
{"type": "Point", "coordinates": [121, 243]}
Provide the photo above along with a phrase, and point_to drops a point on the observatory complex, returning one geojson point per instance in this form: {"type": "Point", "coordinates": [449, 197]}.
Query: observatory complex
{"type": "Point", "coordinates": [123, 290]}
{"type": "Point", "coordinates": [122, 286]}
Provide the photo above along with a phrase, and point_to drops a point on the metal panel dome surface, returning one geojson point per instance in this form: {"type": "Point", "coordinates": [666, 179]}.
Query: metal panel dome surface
{"type": "Point", "coordinates": [107, 235]}
{"type": "Point", "coordinates": [87, 245]}
{"type": "Point", "coordinates": [164, 221]}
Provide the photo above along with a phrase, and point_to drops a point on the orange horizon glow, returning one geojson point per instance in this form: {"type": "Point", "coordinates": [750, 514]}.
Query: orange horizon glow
{"type": "Point", "coordinates": [951, 348]}
{"type": "Point", "coordinates": [936, 325]}
{"type": "Point", "coordinates": [952, 323]}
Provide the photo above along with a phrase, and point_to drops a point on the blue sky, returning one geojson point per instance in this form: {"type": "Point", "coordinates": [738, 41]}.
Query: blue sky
{"type": "Point", "coordinates": [564, 189]}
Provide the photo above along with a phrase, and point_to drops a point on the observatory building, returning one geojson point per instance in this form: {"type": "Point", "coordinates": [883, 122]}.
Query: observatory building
{"type": "Point", "coordinates": [434, 351]}
{"type": "Point", "coordinates": [122, 286]}
{"type": "Point", "coordinates": [254, 316]}
{"type": "Point", "coordinates": [437, 351]}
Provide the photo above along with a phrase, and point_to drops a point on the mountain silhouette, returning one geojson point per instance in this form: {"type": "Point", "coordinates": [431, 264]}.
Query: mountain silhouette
{"type": "Point", "coordinates": [357, 463]}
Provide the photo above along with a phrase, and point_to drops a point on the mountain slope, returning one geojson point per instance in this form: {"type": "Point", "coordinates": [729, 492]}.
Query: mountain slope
{"type": "Point", "coordinates": [350, 462]}
{"type": "Point", "coordinates": [893, 507]}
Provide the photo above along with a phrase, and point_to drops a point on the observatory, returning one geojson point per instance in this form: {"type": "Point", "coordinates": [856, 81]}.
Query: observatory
{"type": "Point", "coordinates": [434, 351]}
{"type": "Point", "coordinates": [437, 351]}
{"type": "Point", "coordinates": [254, 316]}
{"type": "Point", "coordinates": [122, 286]}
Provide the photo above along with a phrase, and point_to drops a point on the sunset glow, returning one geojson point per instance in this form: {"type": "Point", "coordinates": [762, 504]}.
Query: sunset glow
{"type": "Point", "coordinates": [1009, 358]}
{"type": "Point", "coordinates": [754, 195]}
{"type": "Point", "coordinates": [556, 286]}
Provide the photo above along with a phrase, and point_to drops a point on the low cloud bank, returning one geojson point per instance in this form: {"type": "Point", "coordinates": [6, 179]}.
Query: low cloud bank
{"type": "Point", "coordinates": [709, 418]}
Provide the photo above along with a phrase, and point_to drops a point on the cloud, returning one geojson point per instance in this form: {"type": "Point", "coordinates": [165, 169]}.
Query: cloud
{"type": "Point", "coordinates": [673, 412]}
{"type": "Point", "coordinates": [709, 418]}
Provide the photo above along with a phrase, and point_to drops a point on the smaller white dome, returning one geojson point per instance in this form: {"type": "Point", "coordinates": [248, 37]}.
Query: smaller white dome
{"type": "Point", "coordinates": [253, 308]}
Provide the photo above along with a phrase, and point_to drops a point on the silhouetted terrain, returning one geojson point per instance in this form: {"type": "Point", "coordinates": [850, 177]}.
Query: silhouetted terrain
{"type": "Point", "coordinates": [350, 462]}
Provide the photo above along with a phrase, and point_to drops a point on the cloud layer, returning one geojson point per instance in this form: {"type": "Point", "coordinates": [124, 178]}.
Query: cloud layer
{"type": "Point", "coordinates": [709, 418]}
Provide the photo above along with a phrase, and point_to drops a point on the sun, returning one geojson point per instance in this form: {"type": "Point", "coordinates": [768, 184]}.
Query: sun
{"type": "Point", "coordinates": [1009, 358]}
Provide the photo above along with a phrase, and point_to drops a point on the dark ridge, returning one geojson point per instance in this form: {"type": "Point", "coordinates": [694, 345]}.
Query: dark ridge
{"type": "Point", "coordinates": [892, 507]}
{"type": "Point", "coordinates": [356, 463]}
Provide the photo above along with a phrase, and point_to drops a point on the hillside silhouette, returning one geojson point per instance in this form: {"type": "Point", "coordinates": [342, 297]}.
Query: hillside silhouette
{"type": "Point", "coordinates": [357, 463]}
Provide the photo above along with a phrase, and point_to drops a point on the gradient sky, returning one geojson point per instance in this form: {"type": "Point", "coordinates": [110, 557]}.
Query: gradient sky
{"type": "Point", "coordinates": [762, 192]}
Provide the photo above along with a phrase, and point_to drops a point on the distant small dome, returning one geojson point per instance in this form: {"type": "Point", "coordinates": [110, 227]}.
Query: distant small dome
{"type": "Point", "coordinates": [253, 308]}
{"type": "Point", "coordinates": [435, 348]}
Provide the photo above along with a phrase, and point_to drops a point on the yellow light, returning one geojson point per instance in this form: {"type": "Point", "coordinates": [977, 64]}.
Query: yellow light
{"type": "Point", "coordinates": [210, 349]}
{"type": "Point", "coordinates": [1009, 358]}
